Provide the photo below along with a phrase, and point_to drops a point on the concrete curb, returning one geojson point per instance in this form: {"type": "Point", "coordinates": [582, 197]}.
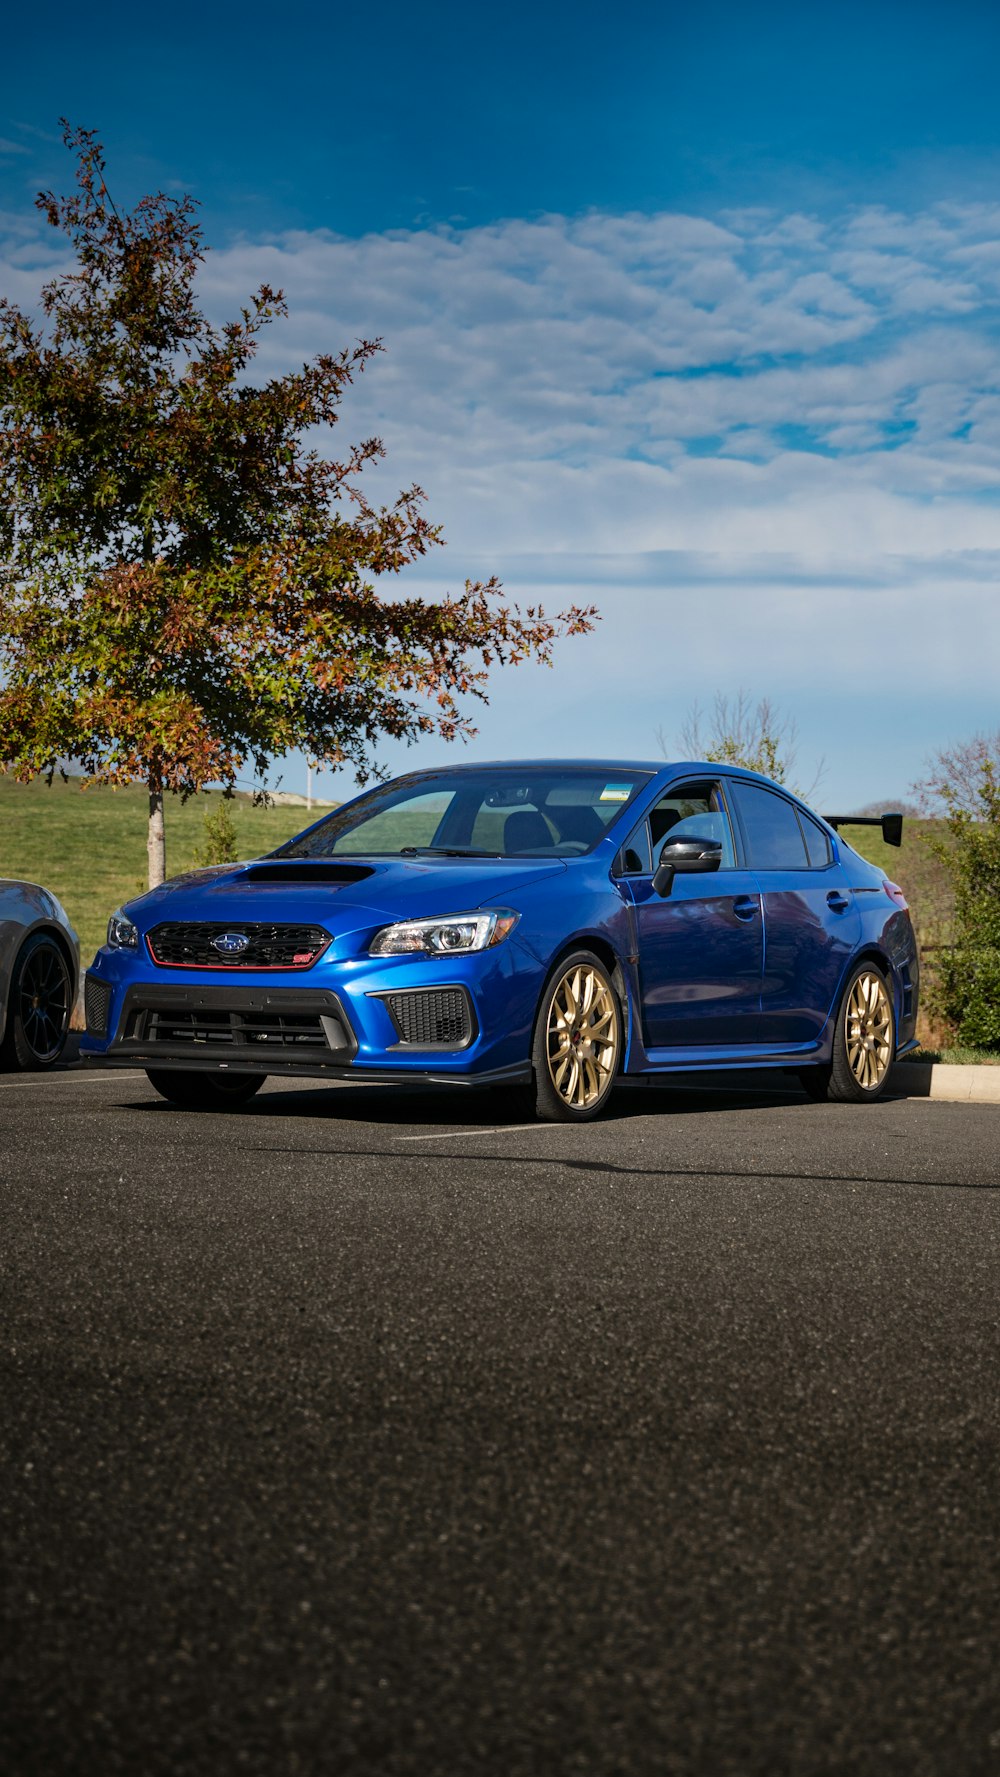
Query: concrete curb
{"type": "Point", "coordinates": [934, 1079]}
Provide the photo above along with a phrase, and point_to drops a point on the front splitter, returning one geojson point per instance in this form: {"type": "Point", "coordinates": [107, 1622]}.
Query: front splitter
{"type": "Point", "coordinates": [161, 1058]}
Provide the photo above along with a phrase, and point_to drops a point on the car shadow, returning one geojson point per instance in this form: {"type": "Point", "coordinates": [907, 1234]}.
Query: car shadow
{"type": "Point", "coordinates": [432, 1107]}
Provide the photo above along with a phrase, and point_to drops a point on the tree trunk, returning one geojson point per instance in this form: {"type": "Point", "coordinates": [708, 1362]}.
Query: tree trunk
{"type": "Point", "coordinates": [156, 844]}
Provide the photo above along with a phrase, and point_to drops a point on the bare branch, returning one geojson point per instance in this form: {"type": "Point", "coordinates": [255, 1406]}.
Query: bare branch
{"type": "Point", "coordinates": [743, 732]}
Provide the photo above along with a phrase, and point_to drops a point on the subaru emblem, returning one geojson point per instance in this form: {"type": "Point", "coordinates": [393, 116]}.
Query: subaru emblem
{"type": "Point", "coordinates": [231, 943]}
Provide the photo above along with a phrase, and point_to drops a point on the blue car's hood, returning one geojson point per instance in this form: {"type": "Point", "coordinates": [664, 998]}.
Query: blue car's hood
{"type": "Point", "coordinates": [383, 889]}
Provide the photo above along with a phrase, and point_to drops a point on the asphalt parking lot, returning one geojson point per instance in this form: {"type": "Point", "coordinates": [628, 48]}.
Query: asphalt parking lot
{"type": "Point", "coordinates": [366, 1433]}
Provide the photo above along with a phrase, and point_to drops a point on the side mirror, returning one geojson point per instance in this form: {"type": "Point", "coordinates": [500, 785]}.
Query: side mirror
{"type": "Point", "coordinates": [688, 856]}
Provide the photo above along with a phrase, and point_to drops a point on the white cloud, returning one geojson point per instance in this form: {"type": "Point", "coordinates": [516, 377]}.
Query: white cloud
{"type": "Point", "coordinates": [768, 446]}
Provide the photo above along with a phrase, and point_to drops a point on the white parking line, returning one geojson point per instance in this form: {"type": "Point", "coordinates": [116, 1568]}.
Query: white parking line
{"type": "Point", "coordinates": [466, 1134]}
{"type": "Point", "coordinates": [82, 1078]}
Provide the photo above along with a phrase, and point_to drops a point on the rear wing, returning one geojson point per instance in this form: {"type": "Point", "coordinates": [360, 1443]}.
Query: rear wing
{"type": "Point", "coordinates": [891, 824]}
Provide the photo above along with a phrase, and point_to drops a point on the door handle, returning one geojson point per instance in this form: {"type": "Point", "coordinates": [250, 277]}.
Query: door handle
{"type": "Point", "coordinates": [838, 902]}
{"type": "Point", "coordinates": [745, 906]}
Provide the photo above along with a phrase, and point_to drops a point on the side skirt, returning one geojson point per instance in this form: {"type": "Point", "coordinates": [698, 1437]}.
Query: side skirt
{"type": "Point", "coordinates": [671, 1061]}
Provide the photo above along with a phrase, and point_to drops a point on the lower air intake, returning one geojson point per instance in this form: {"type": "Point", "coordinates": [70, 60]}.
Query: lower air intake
{"type": "Point", "coordinates": [432, 1018]}
{"type": "Point", "coordinates": [270, 1031]}
{"type": "Point", "coordinates": [96, 1002]}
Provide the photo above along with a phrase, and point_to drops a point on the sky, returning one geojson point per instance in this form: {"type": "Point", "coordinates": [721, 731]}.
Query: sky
{"type": "Point", "coordinates": [689, 312]}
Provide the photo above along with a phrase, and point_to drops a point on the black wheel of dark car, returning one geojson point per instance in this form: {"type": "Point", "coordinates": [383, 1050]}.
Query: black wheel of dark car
{"type": "Point", "coordinates": [578, 1041]}
{"type": "Point", "coordinates": [38, 1006]}
{"type": "Point", "coordinates": [204, 1092]}
{"type": "Point", "coordinates": [864, 1042]}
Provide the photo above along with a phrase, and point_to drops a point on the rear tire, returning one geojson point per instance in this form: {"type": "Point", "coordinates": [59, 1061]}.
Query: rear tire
{"type": "Point", "coordinates": [864, 1042]}
{"type": "Point", "coordinates": [204, 1092]}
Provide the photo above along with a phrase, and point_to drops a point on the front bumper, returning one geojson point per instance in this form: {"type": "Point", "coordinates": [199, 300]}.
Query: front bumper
{"type": "Point", "coordinates": [468, 1020]}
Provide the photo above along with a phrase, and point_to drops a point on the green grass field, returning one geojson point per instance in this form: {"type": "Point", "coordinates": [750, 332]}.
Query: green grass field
{"type": "Point", "coordinates": [958, 1055]}
{"type": "Point", "coordinates": [89, 847]}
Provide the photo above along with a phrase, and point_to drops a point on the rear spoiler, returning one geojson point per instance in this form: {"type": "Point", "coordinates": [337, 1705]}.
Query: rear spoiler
{"type": "Point", "coordinates": [891, 824]}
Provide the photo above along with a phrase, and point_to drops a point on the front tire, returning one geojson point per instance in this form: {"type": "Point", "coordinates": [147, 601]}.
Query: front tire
{"type": "Point", "coordinates": [577, 1045]}
{"type": "Point", "coordinates": [204, 1092]}
{"type": "Point", "coordinates": [864, 1042]}
{"type": "Point", "coordinates": [38, 1007]}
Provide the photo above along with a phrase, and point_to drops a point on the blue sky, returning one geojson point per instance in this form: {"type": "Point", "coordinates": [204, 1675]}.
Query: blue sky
{"type": "Point", "coordinates": [695, 314]}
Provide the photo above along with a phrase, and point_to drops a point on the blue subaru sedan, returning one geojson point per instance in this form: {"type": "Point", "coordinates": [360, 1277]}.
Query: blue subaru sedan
{"type": "Point", "coordinates": [552, 926]}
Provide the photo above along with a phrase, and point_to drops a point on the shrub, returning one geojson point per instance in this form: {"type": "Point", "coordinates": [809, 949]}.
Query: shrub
{"type": "Point", "coordinates": [966, 991]}
{"type": "Point", "coordinates": [220, 836]}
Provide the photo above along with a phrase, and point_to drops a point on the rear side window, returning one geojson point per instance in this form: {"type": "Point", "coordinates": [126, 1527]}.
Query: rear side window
{"type": "Point", "coordinates": [817, 842]}
{"type": "Point", "coordinates": [774, 837]}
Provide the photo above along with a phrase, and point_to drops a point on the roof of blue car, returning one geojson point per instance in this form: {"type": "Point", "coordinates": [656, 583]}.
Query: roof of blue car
{"type": "Point", "coordinates": [653, 766]}
{"type": "Point", "coordinates": [546, 765]}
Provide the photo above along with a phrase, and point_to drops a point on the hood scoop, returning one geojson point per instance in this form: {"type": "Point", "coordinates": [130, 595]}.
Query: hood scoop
{"type": "Point", "coordinates": [310, 870]}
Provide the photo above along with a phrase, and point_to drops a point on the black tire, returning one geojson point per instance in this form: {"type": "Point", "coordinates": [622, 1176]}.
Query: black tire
{"type": "Point", "coordinates": [600, 1059]}
{"type": "Point", "coordinates": [204, 1092]}
{"type": "Point", "coordinates": [865, 1026]}
{"type": "Point", "coordinates": [38, 1006]}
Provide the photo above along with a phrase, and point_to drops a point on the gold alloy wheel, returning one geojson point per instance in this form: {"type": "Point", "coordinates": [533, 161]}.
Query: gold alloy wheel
{"type": "Point", "coordinates": [582, 1037]}
{"type": "Point", "coordinates": [869, 1030]}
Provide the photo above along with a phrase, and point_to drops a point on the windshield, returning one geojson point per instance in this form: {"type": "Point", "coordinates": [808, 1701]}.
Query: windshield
{"type": "Point", "coordinates": [511, 813]}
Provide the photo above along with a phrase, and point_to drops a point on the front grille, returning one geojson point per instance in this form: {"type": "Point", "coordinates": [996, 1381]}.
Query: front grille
{"type": "Point", "coordinates": [96, 1002]}
{"type": "Point", "coordinates": [432, 1018]}
{"type": "Point", "coordinates": [189, 945]}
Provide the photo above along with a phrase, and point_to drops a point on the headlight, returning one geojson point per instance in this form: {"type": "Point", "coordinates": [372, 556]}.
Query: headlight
{"type": "Point", "coordinates": [451, 936]}
{"type": "Point", "coordinates": [122, 934]}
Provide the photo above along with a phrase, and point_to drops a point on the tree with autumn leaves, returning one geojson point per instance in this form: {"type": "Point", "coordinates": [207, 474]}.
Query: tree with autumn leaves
{"type": "Point", "coordinates": [189, 586]}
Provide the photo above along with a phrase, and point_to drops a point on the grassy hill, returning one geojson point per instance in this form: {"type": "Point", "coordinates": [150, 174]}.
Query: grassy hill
{"type": "Point", "coordinates": [89, 845]}
{"type": "Point", "coordinates": [928, 890]}
{"type": "Point", "coordinates": [919, 873]}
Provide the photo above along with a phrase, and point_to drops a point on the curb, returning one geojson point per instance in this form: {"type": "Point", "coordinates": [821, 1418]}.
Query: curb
{"type": "Point", "coordinates": [934, 1079]}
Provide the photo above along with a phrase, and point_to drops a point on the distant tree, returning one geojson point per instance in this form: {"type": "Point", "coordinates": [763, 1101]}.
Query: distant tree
{"type": "Point", "coordinates": [892, 805]}
{"type": "Point", "coordinates": [963, 783]}
{"type": "Point", "coordinates": [741, 732]}
{"type": "Point", "coordinates": [190, 585]}
{"type": "Point", "coordinates": [954, 775]}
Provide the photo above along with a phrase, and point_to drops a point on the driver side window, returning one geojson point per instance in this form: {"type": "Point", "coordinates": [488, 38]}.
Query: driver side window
{"type": "Point", "coordinates": [692, 811]}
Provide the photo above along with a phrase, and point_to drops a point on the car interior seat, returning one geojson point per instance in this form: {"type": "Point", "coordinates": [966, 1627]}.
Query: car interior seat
{"type": "Point", "coordinates": [579, 825]}
{"type": "Point", "coordinates": [526, 831]}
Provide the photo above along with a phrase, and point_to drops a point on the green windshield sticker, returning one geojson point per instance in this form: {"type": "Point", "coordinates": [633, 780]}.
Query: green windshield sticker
{"type": "Point", "coordinates": [616, 792]}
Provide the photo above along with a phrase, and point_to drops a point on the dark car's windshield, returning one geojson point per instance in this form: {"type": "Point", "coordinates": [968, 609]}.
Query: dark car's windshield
{"type": "Point", "coordinates": [533, 811]}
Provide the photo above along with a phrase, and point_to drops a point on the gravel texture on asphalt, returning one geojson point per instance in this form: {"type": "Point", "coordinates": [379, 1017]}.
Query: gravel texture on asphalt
{"type": "Point", "coordinates": [360, 1432]}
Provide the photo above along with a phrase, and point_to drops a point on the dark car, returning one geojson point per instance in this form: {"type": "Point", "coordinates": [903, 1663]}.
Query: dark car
{"type": "Point", "coordinates": [39, 971]}
{"type": "Point", "coordinates": [550, 924]}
